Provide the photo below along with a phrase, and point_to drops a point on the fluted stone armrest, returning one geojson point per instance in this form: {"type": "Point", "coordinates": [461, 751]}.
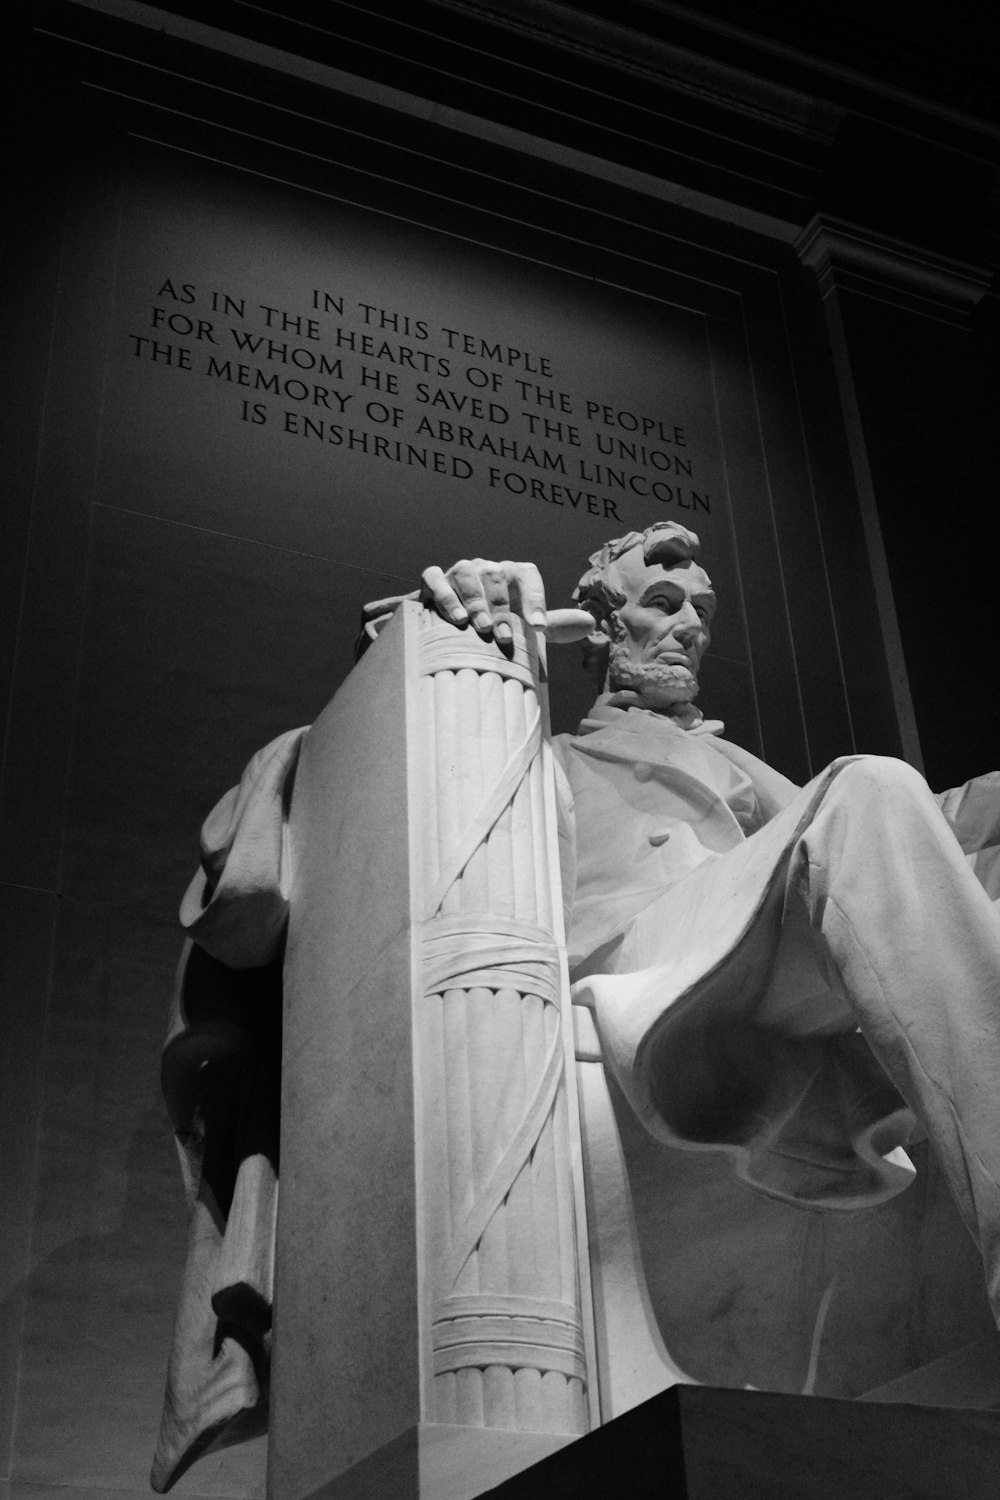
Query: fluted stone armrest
{"type": "Point", "coordinates": [432, 1286]}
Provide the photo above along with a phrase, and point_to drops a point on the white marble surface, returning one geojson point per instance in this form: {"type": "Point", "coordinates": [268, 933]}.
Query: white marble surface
{"type": "Point", "coordinates": [429, 1316]}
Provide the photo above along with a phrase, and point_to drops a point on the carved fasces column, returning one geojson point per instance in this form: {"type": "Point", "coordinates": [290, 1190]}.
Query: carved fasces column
{"type": "Point", "coordinates": [502, 1202]}
{"type": "Point", "coordinates": [432, 1328]}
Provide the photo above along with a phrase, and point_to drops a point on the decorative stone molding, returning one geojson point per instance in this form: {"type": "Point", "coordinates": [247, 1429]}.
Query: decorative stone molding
{"type": "Point", "coordinates": [433, 1322]}
{"type": "Point", "coordinates": [694, 74]}
{"type": "Point", "coordinates": [507, 1323]}
{"type": "Point", "coordinates": [850, 257]}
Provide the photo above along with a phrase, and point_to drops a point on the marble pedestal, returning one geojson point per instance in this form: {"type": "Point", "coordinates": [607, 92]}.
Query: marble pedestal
{"type": "Point", "coordinates": [432, 1330]}
{"type": "Point", "coordinates": [702, 1443]}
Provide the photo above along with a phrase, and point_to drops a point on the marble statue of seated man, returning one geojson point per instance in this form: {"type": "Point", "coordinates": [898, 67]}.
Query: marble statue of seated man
{"type": "Point", "coordinates": [799, 978]}
{"type": "Point", "coordinates": [758, 958]}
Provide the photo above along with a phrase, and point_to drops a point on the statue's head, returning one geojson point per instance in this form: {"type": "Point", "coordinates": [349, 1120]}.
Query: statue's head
{"type": "Point", "coordinates": [653, 607]}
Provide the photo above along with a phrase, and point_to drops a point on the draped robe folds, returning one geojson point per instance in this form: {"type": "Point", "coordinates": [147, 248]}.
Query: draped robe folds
{"type": "Point", "coordinates": [221, 1080]}
{"type": "Point", "coordinates": [715, 1008]}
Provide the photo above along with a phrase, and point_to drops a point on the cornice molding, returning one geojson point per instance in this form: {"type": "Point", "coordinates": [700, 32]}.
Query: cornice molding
{"type": "Point", "coordinates": [836, 74]}
{"type": "Point", "coordinates": [690, 73]}
{"type": "Point", "coordinates": [850, 257]}
{"type": "Point", "coordinates": [293, 65]}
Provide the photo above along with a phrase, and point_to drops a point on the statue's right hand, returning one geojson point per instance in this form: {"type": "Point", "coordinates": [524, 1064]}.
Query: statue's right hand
{"type": "Point", "coordinates": [487, 594]}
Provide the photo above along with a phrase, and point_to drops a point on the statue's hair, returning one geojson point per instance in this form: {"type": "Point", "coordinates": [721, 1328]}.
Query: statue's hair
{"type": "Point", "coordinates": [664, 542]}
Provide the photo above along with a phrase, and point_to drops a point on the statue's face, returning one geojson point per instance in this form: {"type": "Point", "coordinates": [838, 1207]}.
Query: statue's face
{"type": "Point", "coordinates": [661, 633]}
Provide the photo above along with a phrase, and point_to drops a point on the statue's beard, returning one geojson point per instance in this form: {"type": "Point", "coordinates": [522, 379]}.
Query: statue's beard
{"type": "Point", "coordinates": [659, 684]}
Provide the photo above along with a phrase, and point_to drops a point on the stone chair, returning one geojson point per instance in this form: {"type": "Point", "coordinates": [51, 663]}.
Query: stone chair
{"type": "Point", "coordinates": [480, 1252]}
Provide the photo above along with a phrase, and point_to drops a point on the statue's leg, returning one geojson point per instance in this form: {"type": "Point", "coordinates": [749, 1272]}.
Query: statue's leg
{"type": "Point", "coordinates": [913, 943]}
{"type": "Point", "coordinates": [633, 1361]}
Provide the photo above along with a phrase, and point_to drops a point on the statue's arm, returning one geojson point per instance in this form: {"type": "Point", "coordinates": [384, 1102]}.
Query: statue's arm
{"type": "Point", "coordinates": [973, 811]}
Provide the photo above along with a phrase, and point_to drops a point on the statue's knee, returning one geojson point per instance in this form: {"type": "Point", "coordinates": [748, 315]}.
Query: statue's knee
{"type": "Point", "coordinates": [881, 776]}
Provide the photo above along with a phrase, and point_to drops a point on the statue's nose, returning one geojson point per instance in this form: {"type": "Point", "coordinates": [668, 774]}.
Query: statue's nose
{"type": "Point", "coordinates": [686, 623]}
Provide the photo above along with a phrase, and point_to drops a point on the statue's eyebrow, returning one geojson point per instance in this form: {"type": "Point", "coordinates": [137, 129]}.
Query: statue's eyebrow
{"type": "Point", "coordinates": [706, 597]}
{"type": "Point", "coordinates": [653, 589]}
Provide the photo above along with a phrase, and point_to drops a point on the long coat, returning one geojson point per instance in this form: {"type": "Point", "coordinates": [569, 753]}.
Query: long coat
{"type": "Point", "coordinates": [713, 1007]}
